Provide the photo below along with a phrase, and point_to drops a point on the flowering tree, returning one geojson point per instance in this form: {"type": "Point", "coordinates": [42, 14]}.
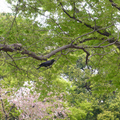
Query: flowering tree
{"type": "Point", "coordinates": [25, 105]}
{"type": "Point", "coordinates": [32, 108]}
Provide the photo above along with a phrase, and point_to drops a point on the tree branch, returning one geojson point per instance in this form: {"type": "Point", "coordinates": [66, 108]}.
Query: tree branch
{"type": "Point", "coordinates": [87, 55]}
{"type": "Point", "coordinates": [91, 38]}
{"type": "Point", "coordinates": [13, 106]}
{"type": "Point", "coordinates": [18, 47]}
{"type": "Point", "coordinates": [105, 33]}
{"type": "Point", "coordinates": [6, 116]}
{"type": "Point", "coordinates": [13, 60]}
{"type": "Point", "coordinates": [114, 4]}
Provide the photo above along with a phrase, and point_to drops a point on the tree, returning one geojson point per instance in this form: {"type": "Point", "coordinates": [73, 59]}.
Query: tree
{"type": "Point", "coordinates": [64, 31]}
{"type": "Point", "coordinates": [69, 34]}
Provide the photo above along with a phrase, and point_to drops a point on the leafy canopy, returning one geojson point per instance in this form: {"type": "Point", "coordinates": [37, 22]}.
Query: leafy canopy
{"type": "Point", "coordinates": [63, 30]}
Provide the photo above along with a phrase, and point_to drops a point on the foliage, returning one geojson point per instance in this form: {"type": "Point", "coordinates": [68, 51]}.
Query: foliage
{"type": "Point", "coordinates": [67, 31]}
{"type": "Point", "coordinates": [107, 115]}
{"type": "Point", "coordinates": [7, 110]}
{"type": "Point", "coordinates": [91, 104]}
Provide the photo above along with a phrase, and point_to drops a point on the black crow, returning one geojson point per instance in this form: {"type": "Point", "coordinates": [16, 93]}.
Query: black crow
{"type": "Point", "coordinates": [46, 64]}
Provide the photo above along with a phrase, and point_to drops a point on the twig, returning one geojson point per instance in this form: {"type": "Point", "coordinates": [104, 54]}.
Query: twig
{"type": "Point", "coordinates": [6, 116]}
{"type": "Point", "coordinates": [12, 60]}
{"type": "Point", "coordinates": [13, 106]}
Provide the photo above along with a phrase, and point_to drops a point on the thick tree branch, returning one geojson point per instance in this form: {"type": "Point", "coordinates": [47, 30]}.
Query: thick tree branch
{"type": "Point", "coordinates": [33, 55]}
{"type": "Point", "coordinates": [57, 50]}
{"type": "Point", "coordinates": [11, 48]}
{"type": "Point", "coordinates": [18, 47]}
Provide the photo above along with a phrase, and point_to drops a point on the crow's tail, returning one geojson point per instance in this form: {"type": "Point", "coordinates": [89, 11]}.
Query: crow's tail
{"type": "Point", "coordinates": [38, 67]}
